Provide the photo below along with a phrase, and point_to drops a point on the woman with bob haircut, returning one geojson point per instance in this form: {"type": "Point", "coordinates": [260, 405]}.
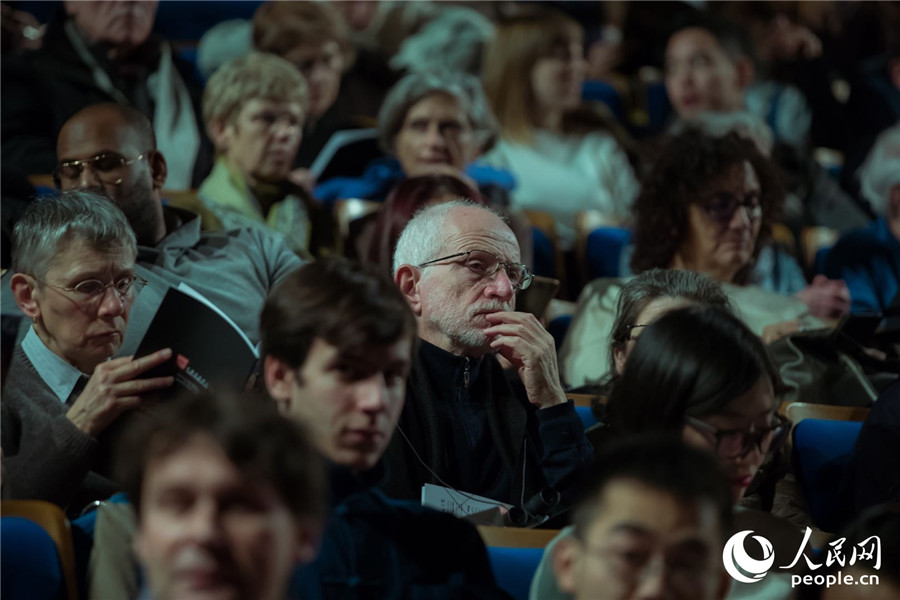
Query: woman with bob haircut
{"type": "Point", "coordinates": [430, 123]}
{"type": "Point", "coordinates": [562, 155]}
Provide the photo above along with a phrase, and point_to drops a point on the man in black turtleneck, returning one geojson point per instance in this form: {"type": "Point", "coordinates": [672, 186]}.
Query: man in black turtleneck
{"type": "Point", "coordinates": [466, 426]}
{"type": "Point", "coordinates": [103, 51]}
{"type": "Point", "coordinates": [337, 342]}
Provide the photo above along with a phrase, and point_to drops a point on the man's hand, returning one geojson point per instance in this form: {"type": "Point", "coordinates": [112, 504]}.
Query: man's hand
{"type": "Point", "coordinates": [520, 339]}
{"type": "Point", "coordinates": [826, 298]}
{"type": "Point", "coordinates": [113, 389]}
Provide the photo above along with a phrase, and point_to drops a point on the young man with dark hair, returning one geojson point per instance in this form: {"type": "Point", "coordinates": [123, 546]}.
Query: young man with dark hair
{"type": "Point", "coordinates": [337, 342]}
{"type": "Point", "coordinates": [229, 498]}
{"type": "Point", "coordinates": [651, 522]}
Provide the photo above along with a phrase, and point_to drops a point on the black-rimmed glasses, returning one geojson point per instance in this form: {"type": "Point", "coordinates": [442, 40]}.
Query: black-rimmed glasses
{"type": "Point", "coordinates": [736, 443]}
{"type": "Point", "coordinates": [721, 207]}
{"type": "Point", "coordinates": [485, 264]}
{"type": "Point", "coordinates": [109, 167]}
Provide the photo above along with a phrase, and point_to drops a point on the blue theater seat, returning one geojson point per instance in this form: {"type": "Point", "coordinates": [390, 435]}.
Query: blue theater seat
{"type": "Point", "coordinates": [29, 562]}
{"type": "Point", "coordinates": [821, 454]}
{"type": "Point", "coordinates": [514, 568]}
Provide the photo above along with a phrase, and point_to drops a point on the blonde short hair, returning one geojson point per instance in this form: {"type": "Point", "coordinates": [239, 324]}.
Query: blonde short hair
{"type": "Point", "coordinates": [257, 75]}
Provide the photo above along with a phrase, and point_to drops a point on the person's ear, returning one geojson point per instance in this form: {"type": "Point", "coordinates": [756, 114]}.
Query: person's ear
{"type": "Point", "coordinates": [746, 72]}
{"type": "Point", "coordinates": [23, 288]}
{"type": "Point", "coordinates": [220, 134]}
{"type": "Point", "coordinates": [309, 539]}
{"type": "Point", "coordinates": [158, 169]}
{"type": "Point", "coordinates": [407, 279]}
{"type": "Point", "coordinates": [279, 378]}
{"type": "Point", "coordinates": [565, 558]}
{"type": "Point", "coordinates": [619, 358]}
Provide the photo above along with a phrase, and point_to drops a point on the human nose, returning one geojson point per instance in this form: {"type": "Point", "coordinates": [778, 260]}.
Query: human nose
{"type": "Point", "coordinates": [652, 580]}
{"type": "Point", "coordinates": [204, 523]}
{"type": "Point", "coordinates": [434, 136]}
{"type": "Point", "coordinates": [371, 393]}
{"type": "Point", "coordinates": [501, 286]}
{"type": "Point", "coordinates": [740, 218]}
{"type": "Point", "coordinates": [111, 302]}
{"type": "Point", "coordinates": [87, 177]}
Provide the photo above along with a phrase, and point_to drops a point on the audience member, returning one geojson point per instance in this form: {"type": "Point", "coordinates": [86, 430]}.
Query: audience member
{"type": "Point", "coordinates": [73, 264]}
{"type": "Point", "coordinates": [868, 259]}
{"type": "Point", "coordinates": [701, 386]}
{"type": "Point", "coordinates": [254, 108]}
{"type": "Point", "coordinates": [644, 501]}
{"type": "Point", "coordinates": [314, 36]}
{"type": "Point", "coordinates": [464, 425]}
{"type": "Point", "coordinates": [430, 123]}
{"type": "Point", "coordinates": [709, 68]}
{"type": "Point", "coordinates": [706, 205]}
{"type": "Point", "coordinates": [112, 148]}
{"type": "Point", "coordinates": [533, 72]}
{"type": "Point", "coordinates": [408, 197]}
{"type": "Point", "coordinates": [641, 301]}
{"type": "Point", "coordinates": [338, 340]}
{"type": "Point", "coordinates": [229, 498]}
{"type": "Point", "coordinates": [102, 52]}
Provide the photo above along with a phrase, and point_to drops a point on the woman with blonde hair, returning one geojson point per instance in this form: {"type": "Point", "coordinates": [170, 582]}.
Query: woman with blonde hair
{"type": "Point", "coordinates": [563, 154]}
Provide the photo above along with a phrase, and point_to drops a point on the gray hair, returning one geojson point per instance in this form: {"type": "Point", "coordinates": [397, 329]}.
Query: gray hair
{"type": "Point", "coordinates": [465, 88]}
{"type": "Point", "coordinates": [660, 283]}
{"type": "Point", "coordinates": [881, 170]}
{"type": "Point", "coordinates": [51, 224]}
{"type": "Point", "coordinates": [423, 236]}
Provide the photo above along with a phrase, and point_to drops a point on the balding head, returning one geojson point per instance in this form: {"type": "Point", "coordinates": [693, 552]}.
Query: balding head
{"type": "Point", "coordinates": [131, 172]}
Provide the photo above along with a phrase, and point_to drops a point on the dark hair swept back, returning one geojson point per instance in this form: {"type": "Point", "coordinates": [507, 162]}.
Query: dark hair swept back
{"type": "Point", "coordinates": [346, 304]}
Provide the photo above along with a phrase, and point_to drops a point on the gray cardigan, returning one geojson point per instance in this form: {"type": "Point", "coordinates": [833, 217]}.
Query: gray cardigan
{"type": "Point", "coordinates": [45, 456]}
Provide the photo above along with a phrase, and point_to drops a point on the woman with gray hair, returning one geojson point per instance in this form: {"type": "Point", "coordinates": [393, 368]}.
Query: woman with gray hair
{"type": "Point", "coordinates": [74, 263]}
{"type": "Point", "coordinates": [868, 259]}
{"type": "Point", "coordinates": [642, 300]}
{"type": "Point", "coordinates": [430, 123]}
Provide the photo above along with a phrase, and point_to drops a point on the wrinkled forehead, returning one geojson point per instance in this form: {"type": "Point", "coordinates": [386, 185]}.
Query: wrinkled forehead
{"type": "Point", "coordinates": [478, 229]}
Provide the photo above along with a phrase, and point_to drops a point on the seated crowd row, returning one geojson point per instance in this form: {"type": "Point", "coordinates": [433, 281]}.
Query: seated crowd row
{"type": "Point", "coordinates": [414, 368]}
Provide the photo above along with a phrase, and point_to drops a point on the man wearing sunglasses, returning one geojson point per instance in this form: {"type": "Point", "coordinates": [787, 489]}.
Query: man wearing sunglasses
{"type": "Point", "coordinates": [112, 149]}
{"type": "Point", "coordinates": [465, 426]}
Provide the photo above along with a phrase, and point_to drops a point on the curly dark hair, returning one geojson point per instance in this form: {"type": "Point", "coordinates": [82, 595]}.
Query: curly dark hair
{"type": "Point", "coordinates": [683, 167]}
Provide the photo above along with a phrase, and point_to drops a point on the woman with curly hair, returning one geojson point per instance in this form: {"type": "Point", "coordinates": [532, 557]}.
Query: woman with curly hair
{"type": "Point", "coordinates": [707, 205]}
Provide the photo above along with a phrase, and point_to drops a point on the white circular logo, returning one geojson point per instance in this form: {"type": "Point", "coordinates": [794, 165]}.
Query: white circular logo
{"type": "Point", "coordinates": [740, 565]}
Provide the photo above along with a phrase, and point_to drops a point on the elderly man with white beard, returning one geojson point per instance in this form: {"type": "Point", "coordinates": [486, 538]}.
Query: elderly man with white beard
{"type": "Point", "coordinates": [468, 424]}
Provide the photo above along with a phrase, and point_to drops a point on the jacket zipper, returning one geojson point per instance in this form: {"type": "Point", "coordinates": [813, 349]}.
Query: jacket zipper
{"type": "Point", "coordinates": [466, 373]}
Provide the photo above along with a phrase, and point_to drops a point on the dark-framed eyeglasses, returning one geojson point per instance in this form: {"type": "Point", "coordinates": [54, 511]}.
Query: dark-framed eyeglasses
{"type": "Point", "coordinates": [91, 291]}
{"type": "Point", "coordinates": [485, 264]}
{"type": "Point", "coordinates": [109, 167]}
{"type": "Point", "coordinates": [736, 443]}
{"type": "Point", "coordinates": [720, 207]}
